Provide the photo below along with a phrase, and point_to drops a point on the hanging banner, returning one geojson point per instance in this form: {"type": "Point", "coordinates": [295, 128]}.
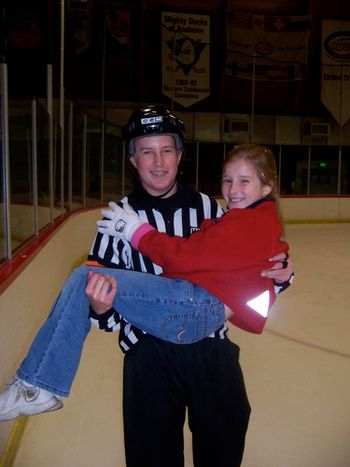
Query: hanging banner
{"type": "Point", "coordinates": [335, 79]}
{"type": "Point", "coordinates": [267, 47]}
{"type": "Point", "coordinates": [185, 57]}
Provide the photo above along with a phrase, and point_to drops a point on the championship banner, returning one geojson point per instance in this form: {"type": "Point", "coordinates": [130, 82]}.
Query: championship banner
{"type": "Point", "coordinates": [267, 47]}
{"type": "Point", "coordinates": [335, 80]}
{"type": "Point", "coordinates": [185, 57]}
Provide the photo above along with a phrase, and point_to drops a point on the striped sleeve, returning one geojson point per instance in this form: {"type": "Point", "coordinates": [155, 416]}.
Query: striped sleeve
{"type": "Point", "coordinates": [114, 253]}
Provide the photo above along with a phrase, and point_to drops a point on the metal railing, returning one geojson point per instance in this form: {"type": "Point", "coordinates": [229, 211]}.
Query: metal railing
{"type": "Point", "coordinates": [50, 166]}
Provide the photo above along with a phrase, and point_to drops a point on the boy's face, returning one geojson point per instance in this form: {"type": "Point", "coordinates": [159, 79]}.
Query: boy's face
{"type": "Point", "coordinates": [240, 184]}
{"type": "Point", "coordinates": [156, 160]}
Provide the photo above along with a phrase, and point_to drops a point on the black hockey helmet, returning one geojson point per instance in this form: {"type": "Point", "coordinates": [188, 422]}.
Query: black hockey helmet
{"type": "Point", "coordinates": [153, 120]}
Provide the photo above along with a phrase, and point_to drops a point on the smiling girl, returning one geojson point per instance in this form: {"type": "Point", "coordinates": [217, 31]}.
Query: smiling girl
{"type": "Point", "coordinates": [212, 276]}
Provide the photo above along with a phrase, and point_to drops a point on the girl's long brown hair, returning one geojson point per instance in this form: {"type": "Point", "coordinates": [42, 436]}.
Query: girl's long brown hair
{"type": "Point", "coordinates": [262, 160]}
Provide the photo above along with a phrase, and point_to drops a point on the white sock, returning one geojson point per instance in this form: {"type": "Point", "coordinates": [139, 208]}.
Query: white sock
{"type": "Point", "coordinates": [45, 392]}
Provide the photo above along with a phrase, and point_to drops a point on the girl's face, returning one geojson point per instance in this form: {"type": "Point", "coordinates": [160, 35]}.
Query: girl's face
{"type": "Point", "coordinates": [240, 185]}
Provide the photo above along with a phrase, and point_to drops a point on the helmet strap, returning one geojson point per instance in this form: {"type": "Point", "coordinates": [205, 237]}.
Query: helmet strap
{"type": "Point", "coordinates": [168, 191]}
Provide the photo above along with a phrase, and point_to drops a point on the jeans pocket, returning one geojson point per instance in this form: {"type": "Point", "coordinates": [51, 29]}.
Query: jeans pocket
{"type": "Point", "coordinates": [180, 328]}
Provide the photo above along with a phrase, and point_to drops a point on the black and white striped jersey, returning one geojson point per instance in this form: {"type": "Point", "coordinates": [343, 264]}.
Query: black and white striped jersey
{"type": "Point", "coordinates": [180, 214]}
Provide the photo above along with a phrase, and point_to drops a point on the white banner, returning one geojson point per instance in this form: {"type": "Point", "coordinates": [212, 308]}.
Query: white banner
{"type": "Point", "coordinates": [185, 57]}
{"type": "Point", "coordinates": [267, 47]}
{"type": "Point", "coordinates": [335, 79]}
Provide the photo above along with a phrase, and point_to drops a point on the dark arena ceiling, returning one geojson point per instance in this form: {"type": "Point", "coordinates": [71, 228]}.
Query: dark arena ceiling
{"type": "Point", "coordinates": [133, 73]}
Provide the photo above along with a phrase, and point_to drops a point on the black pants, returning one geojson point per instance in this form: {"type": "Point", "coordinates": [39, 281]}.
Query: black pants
{"type": "Point", "coordinates": [161, 380]}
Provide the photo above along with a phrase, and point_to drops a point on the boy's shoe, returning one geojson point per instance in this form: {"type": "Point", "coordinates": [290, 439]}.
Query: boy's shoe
{"type": "Point", "coordinates": [19, 399]}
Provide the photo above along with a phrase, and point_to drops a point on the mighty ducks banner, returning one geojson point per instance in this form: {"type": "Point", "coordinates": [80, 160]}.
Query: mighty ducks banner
{"type": "Point", "coordinates": [267, 47]}
{"type": "Point", "coordinates": [185, 57]}
{"type": "Point", "coordinates": [335, 80]}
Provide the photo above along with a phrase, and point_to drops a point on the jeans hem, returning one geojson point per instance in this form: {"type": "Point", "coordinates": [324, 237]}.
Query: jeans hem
{"type": "Point", "coordinates": [41, 385]}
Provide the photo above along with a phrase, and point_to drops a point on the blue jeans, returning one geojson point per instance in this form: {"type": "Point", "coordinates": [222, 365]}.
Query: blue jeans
{"type": "Point", "coordinates": [171, 309]}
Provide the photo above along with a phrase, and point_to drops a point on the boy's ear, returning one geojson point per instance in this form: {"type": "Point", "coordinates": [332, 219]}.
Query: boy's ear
{"type": "Point", "coordinates": [132, 161]}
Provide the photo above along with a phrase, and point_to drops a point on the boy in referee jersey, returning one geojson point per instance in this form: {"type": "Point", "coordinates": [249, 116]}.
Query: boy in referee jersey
{"type": "Point", "coordinates": [161, 379]}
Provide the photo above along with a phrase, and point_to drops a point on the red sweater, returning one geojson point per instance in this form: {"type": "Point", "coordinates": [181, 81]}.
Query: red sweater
{"type": "Point", "coordinates": [225, 257]}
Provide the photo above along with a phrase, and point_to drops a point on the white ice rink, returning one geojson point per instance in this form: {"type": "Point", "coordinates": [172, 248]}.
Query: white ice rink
{"type": "Point", "coordinates": [297, 375]}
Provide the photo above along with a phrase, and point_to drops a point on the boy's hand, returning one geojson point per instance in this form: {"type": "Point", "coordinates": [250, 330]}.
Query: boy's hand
{"type": "Point", "coordinates": [282, 270]}
{"type": "Point", "coordinates": [119, 222]}
{"type": "Point", "coordinates": [101, 290]}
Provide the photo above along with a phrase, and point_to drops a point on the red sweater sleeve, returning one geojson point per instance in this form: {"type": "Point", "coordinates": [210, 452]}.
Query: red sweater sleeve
{"type": "Point", "coordinates": [241, 238]}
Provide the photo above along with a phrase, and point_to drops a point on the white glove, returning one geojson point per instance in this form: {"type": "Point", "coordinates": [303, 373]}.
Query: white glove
{"type": "Point", "coordinates": [121, 222]}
